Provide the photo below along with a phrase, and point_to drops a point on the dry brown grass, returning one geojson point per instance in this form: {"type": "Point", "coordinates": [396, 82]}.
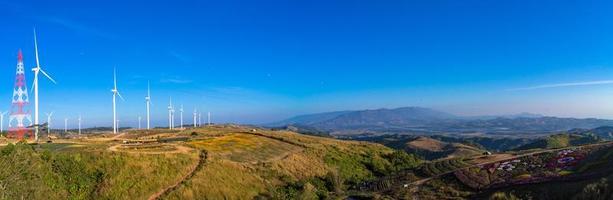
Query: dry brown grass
{"type": "Point", "coordinates": [426, 143]}
{"type": "Point", "coordinates": [220, 179]}
{"type": "Point", "coordinates": [242, 163]}
{"type": "Point", "coordinates": [240, 147]}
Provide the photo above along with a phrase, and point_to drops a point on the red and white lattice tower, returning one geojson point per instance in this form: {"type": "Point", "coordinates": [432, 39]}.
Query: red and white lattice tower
{"type": "Point", "coordinates": [20, 115]}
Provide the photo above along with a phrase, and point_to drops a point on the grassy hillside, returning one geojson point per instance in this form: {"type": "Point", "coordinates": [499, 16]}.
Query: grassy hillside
{"type": "Point", "coordinates": [560, 141]}
{"type": "Point", "coordinates": [284, 165]}
{"type": "Point", "coordinates": [59, 171]}
{"type": "Point", "coordinates": [427, 147]}
{"type": "Point", "coordinates": [435, 149]}
{"type": "Point", "coordinates": [217, 162]}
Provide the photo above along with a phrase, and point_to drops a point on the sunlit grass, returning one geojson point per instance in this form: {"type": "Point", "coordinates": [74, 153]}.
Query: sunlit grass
{"type": "Point", "coordinates": [240, 147]}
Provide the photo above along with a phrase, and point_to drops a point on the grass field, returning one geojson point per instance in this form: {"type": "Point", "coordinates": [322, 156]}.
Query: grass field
{"type": "Point", "coordinates": [245, 148]}
{"type": "Point", "coordinates": [241, 163]}
{"type": "Point", "coordinates": [54, 173]}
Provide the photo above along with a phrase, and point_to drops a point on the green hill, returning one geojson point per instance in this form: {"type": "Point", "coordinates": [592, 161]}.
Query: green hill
{"type": "Point", "coordinates": [435, 149]}
{"type": "Point", "coordinates": [244, 164]}
{"type": "Point", "coordinates": [429, 147]}
{"type": "Point", "coordinates": [46, 172]}
{"type": "Point", "coordinates": [560, 141]}
{"type": "Point", "coordinates": [603, 132]}
{"type": "Point", "coordinates": [231, 162]}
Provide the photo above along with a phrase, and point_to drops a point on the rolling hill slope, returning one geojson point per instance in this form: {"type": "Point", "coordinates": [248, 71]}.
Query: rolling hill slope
{"type": "Point", "coordinates": [434, 149]}
{"type": "Point", "coordinates": [216, 162]}
{"type": "Point", "coordinates": [560, 141]}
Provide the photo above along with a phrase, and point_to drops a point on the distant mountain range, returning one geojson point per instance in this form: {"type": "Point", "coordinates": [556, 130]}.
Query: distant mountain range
{"type": "Point", "coordinates": [426, 120]}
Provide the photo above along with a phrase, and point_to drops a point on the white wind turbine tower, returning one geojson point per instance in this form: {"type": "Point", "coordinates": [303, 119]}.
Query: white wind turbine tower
{"type": "Point", "coordinates": [35, 87]}
{"type": "Point", "coordinates": [79, 124]}
{"type": "Point", "coordinates": [115, 93]}
{"type": "Point", "coordinates": [148, 102]}
{"type": "Point", "coordinates": [199, 119]}
{"type": "Point", "coordinates": [181, 121]}
{"type": "Point", "coordinates": [195, 115]}
{"type": "Point", "coordinates": [49, 122]}
{"type": "Point", "coordinates": [208, 118]}
{"type": "Point", "coordinates": [139, 122]}
{"type": "Point", "coordinates": [170, 118]}
{"type": "Point", "coordinates": [65, 125]}
{"type": "Point", "coordinates": [2, 121]}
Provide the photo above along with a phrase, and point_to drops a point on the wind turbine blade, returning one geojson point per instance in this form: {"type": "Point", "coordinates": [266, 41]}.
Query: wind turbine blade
{"type": "Point", "coordinates": [36, 49]}
{"type": "Point", "coordinates": [33, 85]}
{"type": "Point", "coordinates": [47, 75]}
{"type": "Point", "coordinates": [148, 90]}
{"type": "Point", "coordinates": [115, 78]}
{"type": "Point", "coordinates": [118, 94]}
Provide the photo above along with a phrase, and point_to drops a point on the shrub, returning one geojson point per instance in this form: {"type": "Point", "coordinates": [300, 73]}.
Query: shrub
{"type": "Point", "coordinates": [401, 160]}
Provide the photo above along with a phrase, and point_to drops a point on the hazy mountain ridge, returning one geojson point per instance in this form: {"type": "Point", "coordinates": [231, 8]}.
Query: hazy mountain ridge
{"type": "Point", "coordinates": [417, 119]}
{"type": "Point", "coordinates": [309, 118]}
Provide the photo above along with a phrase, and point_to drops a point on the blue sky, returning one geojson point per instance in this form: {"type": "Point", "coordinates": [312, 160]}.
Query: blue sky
{"type": "Point", "coordinates": [262, 61]}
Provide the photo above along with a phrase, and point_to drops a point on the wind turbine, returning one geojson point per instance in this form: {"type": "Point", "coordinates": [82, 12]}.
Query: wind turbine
{"type": "Point", "coordinates": [170, 114]}
{"type": "Point", "coordinates": [79, 124]}
{"type": "Point", "coordinates": [208, 118]}
{"type": "Point", "coordinates": [139, 122]}
{"type": "Point", "coordinates": [65, 125]}
{"type": "Point", "coordinates": [181, 111]}
{"type": "Point", "coordinates": [35, 87]}
{"type": "Point", "coordinates": [2, 121]}
{"type": "Point", "coordinates": [148, 102]}
{"type": "Point", "coordinates": [49, 122]}
{"type": "Point", "coordinates": [115, 93]}
{"type": "Point", "coordinates": [199, 119]}
{"type": "Point", "coordinates": [195, 115]}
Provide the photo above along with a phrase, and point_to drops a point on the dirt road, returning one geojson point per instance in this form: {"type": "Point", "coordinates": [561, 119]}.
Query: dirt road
{"type": "Point", "coordinates": [165, 191]}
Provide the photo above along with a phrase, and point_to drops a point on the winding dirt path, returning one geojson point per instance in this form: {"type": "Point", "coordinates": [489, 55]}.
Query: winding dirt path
{"type": "Point", "coordinates": [167, 190]}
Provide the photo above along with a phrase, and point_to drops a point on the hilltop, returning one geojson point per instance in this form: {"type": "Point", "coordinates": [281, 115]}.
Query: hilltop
{"type": "Point", "coordinates": [440, 146]}
{"type": "Point", "coordinates": [560, 141]}
{"type": "Point", "coordinates": [604, 132]}
{"type": "Point", "coordinates": [224, 161]}
{"type": "Point", "coordinates": [428, 148]}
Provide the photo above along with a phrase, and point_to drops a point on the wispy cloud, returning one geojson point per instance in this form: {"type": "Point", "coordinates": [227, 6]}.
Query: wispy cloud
{"type": "Point", "coordinates": [76, 26]}
{"type": "Point", "coordinates": [176, 80]}
{"type": "Point", "coordinates": [558, 85]}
